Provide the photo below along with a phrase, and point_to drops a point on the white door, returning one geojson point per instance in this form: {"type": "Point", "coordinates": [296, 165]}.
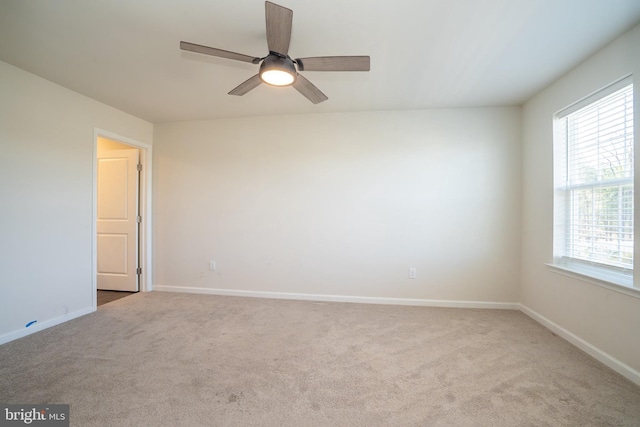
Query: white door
{"type": "Point", "coordinates": [118, 219]}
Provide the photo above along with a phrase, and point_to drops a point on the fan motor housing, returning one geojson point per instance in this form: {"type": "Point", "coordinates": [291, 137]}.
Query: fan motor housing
{"type": "Point", "coordinates": [281, 64]}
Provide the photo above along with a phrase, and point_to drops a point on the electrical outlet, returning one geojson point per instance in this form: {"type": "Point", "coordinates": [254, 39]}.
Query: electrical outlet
{"type": "Point", "coordinates": [212, 265]}
{"type": "Point", "coordinates": [412, 272]}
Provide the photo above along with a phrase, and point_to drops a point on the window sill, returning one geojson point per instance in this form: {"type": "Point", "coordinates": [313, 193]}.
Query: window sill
{"type": "Point", "coordinates": [589, 277]}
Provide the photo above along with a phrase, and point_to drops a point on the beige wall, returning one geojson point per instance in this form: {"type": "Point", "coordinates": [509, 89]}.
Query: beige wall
{"type": "Point", "coordinates": [604, 319]}
{"type": "Point", "coordinates": [342, 204]}
{"type": "Point", "coordinates": [46, 188]}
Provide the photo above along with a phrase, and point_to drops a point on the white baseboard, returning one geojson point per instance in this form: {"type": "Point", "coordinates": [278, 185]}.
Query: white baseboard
{"type": "Point", "coordinates": [43, 325]}
{"type": "Point", "coordinates": [340, 298]}
{"type": "Point", "coordinates": [618, 366]}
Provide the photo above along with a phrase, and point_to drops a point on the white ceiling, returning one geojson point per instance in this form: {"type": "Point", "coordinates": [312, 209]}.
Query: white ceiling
{"type": "Point", "coordinates": [424, 53]}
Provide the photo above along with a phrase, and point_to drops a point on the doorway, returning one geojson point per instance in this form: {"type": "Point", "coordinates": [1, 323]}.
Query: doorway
{"type": "Point", "coordinates": [121, 217]}
{"type": "Point", "coordinates": [118, 216]}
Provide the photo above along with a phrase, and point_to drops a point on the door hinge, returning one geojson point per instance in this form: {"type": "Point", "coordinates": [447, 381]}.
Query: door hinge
{"type": "Point", "coordinates": [139, 167]}
{"type": "Point", "coordinates": [139, 270]}
{"type": "Point", "coordinates": [138, 219]}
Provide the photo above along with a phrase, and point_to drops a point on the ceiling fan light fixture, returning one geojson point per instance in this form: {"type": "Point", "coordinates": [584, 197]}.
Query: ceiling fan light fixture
{"type": "Point", "coordinates": [278, 71]}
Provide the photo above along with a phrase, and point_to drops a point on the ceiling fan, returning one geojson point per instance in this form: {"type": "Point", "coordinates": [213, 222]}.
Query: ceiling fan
{"type": "Point", "coordinates": [278, 68]}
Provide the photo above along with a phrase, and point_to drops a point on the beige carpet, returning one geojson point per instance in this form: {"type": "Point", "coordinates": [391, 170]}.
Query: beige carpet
{"type": "Point", "coordinates": [162, 359]}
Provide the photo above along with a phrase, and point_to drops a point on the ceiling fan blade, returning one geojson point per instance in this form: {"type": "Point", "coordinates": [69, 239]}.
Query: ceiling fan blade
{"type": "Point", "coordinates": [306, 88]}
{"type": "Point", "coordinates": [247, 85]}
{"type": "Point", "coordinates": [334, 63]}
{"type": "Point", "coordinates": [279, 20]}
{"type": "Point", "coordinates": [191, 47]}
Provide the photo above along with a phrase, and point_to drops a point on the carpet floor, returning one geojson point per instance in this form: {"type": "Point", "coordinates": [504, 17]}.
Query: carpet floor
{"type": "Point", "coordinates": [167, 359]}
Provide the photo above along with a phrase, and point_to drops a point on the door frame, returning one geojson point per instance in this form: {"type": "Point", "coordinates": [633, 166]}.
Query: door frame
{"type": "Point", "coordinates": [145, 241]}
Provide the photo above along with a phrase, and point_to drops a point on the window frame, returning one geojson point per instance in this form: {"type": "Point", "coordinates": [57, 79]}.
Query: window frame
{"type": "Point", "coordinates": [612, 277]}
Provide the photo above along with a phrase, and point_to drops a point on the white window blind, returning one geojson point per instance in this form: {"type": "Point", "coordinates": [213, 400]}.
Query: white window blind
{"type": "Point", "coordinates": [594, 163]}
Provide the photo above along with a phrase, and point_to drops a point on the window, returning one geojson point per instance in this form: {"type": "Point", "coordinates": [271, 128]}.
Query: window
{"type": "Point", "coordinates": [594, 164]}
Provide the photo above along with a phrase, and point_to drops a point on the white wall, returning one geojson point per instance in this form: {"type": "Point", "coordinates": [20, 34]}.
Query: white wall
{"type": "Point", "coordinates": [46, 198]}
{"type": "Point", "coordinates": [606, 320]}
{"type": "Point", "coordinates": [342, 204]}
